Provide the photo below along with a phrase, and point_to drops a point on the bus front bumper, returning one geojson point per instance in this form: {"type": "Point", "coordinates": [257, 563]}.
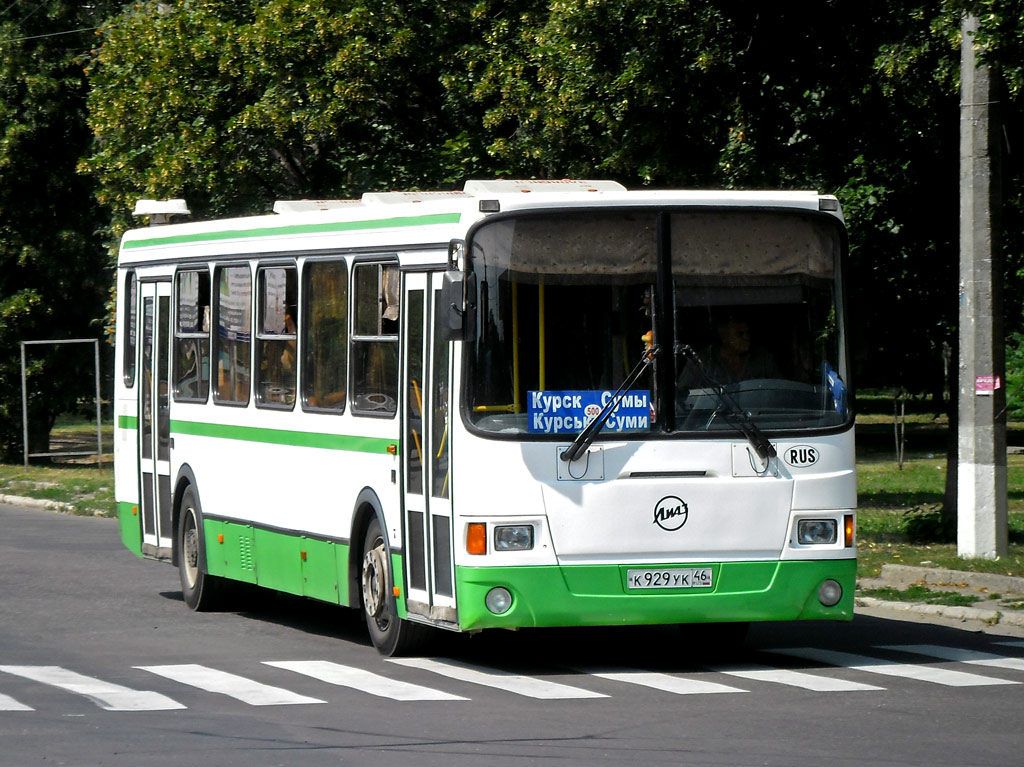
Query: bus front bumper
{"type": "Point", "coordinates": [599, 595]}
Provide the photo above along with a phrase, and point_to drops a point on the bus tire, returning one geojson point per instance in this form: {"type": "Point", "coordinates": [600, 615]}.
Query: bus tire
{"type": "Point", "coordinates": [201, 591]}
{"type": "Point", "coordinates": [390, 634]}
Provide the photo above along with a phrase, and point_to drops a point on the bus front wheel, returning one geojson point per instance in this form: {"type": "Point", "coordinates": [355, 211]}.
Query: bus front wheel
{"type": "Point", "coordinates": [200, 590]}
{"type": "Point", "coordinates": [390, 634]}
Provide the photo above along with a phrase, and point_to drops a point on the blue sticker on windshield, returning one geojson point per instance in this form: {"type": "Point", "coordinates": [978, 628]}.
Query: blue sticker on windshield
{"type": "Point", "coordinates": [569, 412]}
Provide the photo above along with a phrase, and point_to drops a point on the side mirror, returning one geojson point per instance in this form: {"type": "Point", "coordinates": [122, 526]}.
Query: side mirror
{"type": "Point", "coordinates": [458, 316]}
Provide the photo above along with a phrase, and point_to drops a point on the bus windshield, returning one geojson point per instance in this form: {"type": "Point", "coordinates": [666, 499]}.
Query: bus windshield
{"type": "Point", "coordinates": [741, 306]}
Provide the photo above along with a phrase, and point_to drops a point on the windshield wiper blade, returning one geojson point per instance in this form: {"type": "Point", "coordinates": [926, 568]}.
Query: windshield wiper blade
{"type": "Point", "coordinates": [739, 417]}
{"type": "Point", "coordinates": [586, 437]}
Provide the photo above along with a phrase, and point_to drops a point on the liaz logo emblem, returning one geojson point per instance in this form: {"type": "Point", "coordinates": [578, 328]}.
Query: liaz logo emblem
{"type": "Point", "coordinates": [801, 456]}
{"type": "Point", "coordinates": [670, 513]}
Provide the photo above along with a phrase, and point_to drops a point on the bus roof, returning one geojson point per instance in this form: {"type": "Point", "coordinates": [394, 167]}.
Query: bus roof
{"type": "Point", "coordinates": [419, 219]}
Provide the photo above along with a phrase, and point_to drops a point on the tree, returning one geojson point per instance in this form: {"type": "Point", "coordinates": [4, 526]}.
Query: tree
{"type": "Point", "coordinates": [820, 95]}
{"type": "Point", "coordinates": [235, 103]}
{"type": "Point", "coordinates": [53, 268]}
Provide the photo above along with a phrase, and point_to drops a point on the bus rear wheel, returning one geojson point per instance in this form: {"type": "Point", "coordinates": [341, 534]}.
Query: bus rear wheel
{"type": "Point", "coordinates": [201, 591]}
{"type": "Point", "coordinates": [390, 634]}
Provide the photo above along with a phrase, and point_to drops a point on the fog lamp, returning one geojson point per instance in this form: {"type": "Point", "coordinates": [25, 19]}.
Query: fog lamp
{"type": "Point", "coordinates": [829, 593]}
{"type": "Point", "coordinates": [498, 600]}
{"type": "Point", "coordinates": [810, 532]}
{"type": "Point", "coordinates": [513, 537]}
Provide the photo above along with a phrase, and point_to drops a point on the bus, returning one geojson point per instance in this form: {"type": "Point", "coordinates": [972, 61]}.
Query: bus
{"type": "Point", "coordinates": [521, 404]}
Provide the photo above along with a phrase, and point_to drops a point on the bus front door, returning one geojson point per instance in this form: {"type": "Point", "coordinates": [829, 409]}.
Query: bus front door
{"type": "Point", "coordinates": [426, 481]}
{"type": "Point", "coordinates": [154, 420]}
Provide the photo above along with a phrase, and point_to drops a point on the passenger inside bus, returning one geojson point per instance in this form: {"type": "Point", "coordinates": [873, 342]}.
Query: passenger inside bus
{"type": "Point", "coordinates": [731, 357]}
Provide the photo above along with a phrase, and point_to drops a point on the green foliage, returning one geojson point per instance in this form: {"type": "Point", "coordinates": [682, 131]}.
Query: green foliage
{"type": "Point", "coordinates": [921, 594]}
{"type": "Point", "coordinates": [53, 270]}
{"type": "Point", "coordinates": [234, 104]}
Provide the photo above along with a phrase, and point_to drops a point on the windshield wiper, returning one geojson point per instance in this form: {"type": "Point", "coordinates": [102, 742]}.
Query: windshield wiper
{"type": "Point", "coordinates": [733, 412]}
{"type": "Point", "coordinates": [587, 436]}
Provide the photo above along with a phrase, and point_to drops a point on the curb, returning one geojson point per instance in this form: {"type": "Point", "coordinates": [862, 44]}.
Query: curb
{"type": "Point", "coordinates": [909, 575]}
{"type": "Point", "coordinates": [952, 612]}
{"type": "Point", "coordinates": [37, 503]}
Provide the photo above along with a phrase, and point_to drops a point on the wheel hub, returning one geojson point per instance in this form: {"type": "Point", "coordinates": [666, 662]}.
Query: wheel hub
{"type": "Point", "coordinates": [374, 578]}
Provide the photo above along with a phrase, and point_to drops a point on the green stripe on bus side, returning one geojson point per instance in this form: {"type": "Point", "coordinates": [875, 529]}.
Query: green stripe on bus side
{"type": "Point", "coordinates": [277, 231]}
{"type": "Point", "coordinates": [284, 437]}
{"type": "Point", "coordinates": [127, 422]}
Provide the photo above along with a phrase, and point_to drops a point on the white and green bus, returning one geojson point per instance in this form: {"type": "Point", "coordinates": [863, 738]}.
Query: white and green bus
{"type": "Point", "coordinates": [523, 404]}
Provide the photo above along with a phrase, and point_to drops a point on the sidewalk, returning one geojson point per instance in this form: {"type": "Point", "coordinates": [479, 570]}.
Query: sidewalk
{"type": "Point", "coordinates": [989, 611]}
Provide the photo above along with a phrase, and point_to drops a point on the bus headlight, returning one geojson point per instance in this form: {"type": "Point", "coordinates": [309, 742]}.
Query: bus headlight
{"type": "Point", "coordinates": [513, 537]}
{"type": "Point", "coordinates": [810, 532]}
{"type": "Point", "coordinates": [498, 600]}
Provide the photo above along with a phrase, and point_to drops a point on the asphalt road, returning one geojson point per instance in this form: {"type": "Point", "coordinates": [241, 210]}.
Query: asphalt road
{"type": "Point", "coordinates": [102, 664]}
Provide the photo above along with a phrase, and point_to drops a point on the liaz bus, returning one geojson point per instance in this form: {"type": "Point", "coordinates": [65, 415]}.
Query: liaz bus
{"type": "Point", "coordinates": [522, 404]}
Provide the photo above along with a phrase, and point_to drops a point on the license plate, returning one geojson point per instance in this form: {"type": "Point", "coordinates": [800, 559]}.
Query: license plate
{"type": "Point", "coordinates": [669, 578]}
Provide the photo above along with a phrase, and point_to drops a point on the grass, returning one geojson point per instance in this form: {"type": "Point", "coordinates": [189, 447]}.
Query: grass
{"type": "Point", "coordinates": [77, 482]}
{"type": "Point", "coordinates": [889, 497]}
{"type": "Point", "coordinates": [922, 594]}
{"type": "Point", "coordinates": [89, 490]}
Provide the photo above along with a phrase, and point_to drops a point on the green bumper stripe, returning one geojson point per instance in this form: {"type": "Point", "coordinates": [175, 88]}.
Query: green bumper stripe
{"type": "Point", "coordinates": [284, 437]}
{"type": "Point", "coordinates": [284, 231]}
{"type": "Point", "coordinates": [127, 422]}
{"type": "Point", "coordinates": [596, 595]}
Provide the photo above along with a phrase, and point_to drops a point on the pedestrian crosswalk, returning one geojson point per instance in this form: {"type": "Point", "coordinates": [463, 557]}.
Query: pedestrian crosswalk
{"type": "Point", "coordinates": [885, 667]}
{"type": "Point", "coordinates": [271, 682]}
{"type": "Point", "coordinates": [106, 695]}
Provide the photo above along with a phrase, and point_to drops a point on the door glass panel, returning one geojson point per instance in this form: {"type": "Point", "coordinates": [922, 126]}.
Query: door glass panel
{"type": "Point", "coordinates": [146, 435]}
{"type": "Point", "coordinates": [163, 428]}
{"type": "Point", "coordinates": [439, 406]}
{"type": "Point", "coordinates": [414, 427]}
{"type": "Point", "coordinates": [442, 556]}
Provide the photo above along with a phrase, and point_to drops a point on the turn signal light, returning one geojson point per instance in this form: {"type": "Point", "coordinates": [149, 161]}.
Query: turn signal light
{"type": "Point", "coordinates": [476, 538]}
{"type": "Point", "coordinates": [848, 530]}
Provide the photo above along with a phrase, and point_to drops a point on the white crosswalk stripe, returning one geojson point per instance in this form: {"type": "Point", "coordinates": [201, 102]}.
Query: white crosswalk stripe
{"type": "Point", "coordinates": [792, 678]}
{"type": "Point", "coordinates": [874, 665]}
{"type": "Point", "coordinates": [501, 680]}
{"type": "Point", "coordinates": [234, 686]}
{"type": "Point", "coordinates": [665, 682]}
{"type": "Point", "coordinates": [114, 697]}
{"type": "Point", "coordinates": [106, 695]}
{"type": "Point", "coordinates": [362, 680]}
{"type": "Point", "coordinates": [960, 655]}
{"type": "Point", "coordinates": [7, 703]}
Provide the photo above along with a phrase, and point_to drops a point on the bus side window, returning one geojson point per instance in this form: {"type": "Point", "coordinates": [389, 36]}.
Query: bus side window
{"type": "Point", "coordinates": [129, 326]}
{"type": "Point", "coordinates": [233, 311]}
{"type": "Point", "coordinates": [276, 363]}
{"type": "Point", "coordinates": [324, 326]}
{"type": "Point", "coordinates": [375, 339]}
{"type": "Point", "coordinates": [192, 336]}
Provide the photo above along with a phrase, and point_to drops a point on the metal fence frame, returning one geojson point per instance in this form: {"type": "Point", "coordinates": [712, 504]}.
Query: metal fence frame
{"type": "Point", "coordinates": [24, 399]}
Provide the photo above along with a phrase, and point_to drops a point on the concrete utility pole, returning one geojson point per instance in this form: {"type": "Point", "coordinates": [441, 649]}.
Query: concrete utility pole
{"type": "Point", "coordinates": [981, 474]}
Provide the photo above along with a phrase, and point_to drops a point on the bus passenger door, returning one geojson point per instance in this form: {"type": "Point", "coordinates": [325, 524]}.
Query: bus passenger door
{"type": "Point", "coordinates": [154, 420]}
{"type": "Point", "coordinates": [426, 484]}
